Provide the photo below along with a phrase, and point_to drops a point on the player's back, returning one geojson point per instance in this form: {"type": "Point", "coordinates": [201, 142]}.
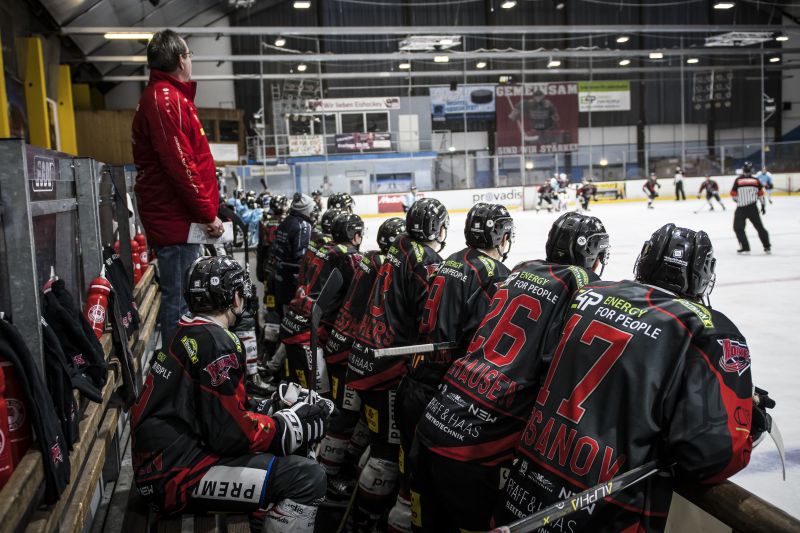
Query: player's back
{"type": "Point", "coordinates": [635, 377]}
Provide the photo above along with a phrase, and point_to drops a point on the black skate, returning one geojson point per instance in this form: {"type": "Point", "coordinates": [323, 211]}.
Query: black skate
{"type": "Point", "coordinates": [742, 251]}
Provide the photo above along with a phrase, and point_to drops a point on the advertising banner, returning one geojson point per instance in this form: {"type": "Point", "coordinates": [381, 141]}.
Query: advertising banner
{"type": "Point", "coordinates": [610, 190]}
{"type": "Point", "coordinates": [300, 145]}
{"type": "Point", "coordinates": [363, 142]}
{"type": "Point", "coordinates": [604, 96]}
{"type": "Point", "coordinates": [542, 117]}
{"type": "Point", "coordinates": [333, 105]}
{"type": "Point", "coordinates": [476, 100]}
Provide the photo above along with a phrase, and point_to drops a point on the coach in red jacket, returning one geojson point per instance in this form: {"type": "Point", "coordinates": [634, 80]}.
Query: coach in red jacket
{"type": "Point", "coordinates": [176, 181]}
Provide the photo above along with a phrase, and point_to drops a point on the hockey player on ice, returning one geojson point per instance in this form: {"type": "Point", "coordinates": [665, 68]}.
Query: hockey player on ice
{"type": "Point", "coordinates": [546, 194]}
{"type": "Point", "coordinates": [640, 371]}
{"type": "Point", "coordinates": [712, 192]}
{"type": "Point", "coordinates": [199, 443]}
{"type": "Point", "coordinates": [470, 428]}
{"type": "Point", "coordinates": [347, 436]}
{"type": "Point", "coordinates": [396, 304]}
{"type": "Point", "coordinates": [458, 299]}
{"type": "Point", "coordinates": [649, 189]}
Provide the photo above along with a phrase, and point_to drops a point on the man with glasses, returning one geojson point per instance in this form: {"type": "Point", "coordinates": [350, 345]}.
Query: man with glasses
{"type": "Point", "coordinates": [176, 179]}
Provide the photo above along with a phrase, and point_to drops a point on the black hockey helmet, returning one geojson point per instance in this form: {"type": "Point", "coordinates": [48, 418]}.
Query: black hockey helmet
{"type": "Point", "coordinates": [279, 204]}
{"type": "Point", "coordinates": [315, 215]}
{"type": "Point", "coordinates": [487, 224]}
{"type": "Point", "coordinates": [211, 283]}
{"type": "Point", "coordinates": [346, 226]}
{"type": "Point", "coordinates": [679, 260]}
{"type": "Point", "coordinates": [315, 193]}
{"type": "Point", "coordinates": [389, 231]}
{"type": "Point", "coordinates": [341, 200]}
{"type": "Point", "coordinates": [326, 222]}
{"type": "Point", "coordinates": [577, 239]}
{"type": "Point", "coordinates": [425, 220]}
{"type": "Point", "coordinates": [747, 168]}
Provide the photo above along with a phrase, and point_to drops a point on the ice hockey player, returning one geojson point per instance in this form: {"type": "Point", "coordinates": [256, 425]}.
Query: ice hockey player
{"type": "Point", "coordinates": [766, 180]}
{"type": "Point", "coordinates": [271, 219]}
{"type": "Point", "coordinates": [291, 242]}
{"type": "Point", "coordinates": [712, 191]}
{"type": "Point", "coordinates": [563, 188]}
{"type": "Point", "coordinates": [747, 191]}
{"type": "Point", "coordinates": [470, 428]}
{"type": "Point", "coordinates": [396, 304]}
{"type": "Point", "coordinates": [342, 201]}
{"type": "Point", "coordinates": [316, 195]}
{"type": "Point", "coordinates": [458, 299]}
{"type": "Point", "coordinates": [665, 365]}
{"type": "Point", "coordinates": [321, 233]}
{"type": "Point", "coordinates": [649, 189]}
{"type": "Point", "coordinates": [585, 194]}
{"type": "Point", "coordinates": [546, 194]}
{"type": "Point", "coordinates": [347, 235]}
{"type": "Point", "coordinates": [347, 436]}
{"type": "Point", "coordinates": [199, 443]}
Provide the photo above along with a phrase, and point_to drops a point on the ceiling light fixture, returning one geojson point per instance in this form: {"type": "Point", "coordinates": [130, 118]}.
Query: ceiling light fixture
{"type": "Point", "coordinates": [604, 162]}
{"type": "Point", "coordinates": [509, 4]}
{"type": "Point", "coordinates": [624, 62]}
{"type": "Point", "coordinates": [121, 35]}
{"type": "Point", "coordinates": [404, 66]}
{"type": "Point", "coordinates": [301, 67]}
{"type": "Point", "coordinates": [553, 63]}
{"type": "Point", "coordinates": [782, 38]}
{"type": "Point", "coordinates": [724, 5]}
{"type": "Point", "coordinates": [441, 59]}
{"type": "Point", "coordinates": [481, 64]}
{"type": "Point", "coordinates": [692, 60]}
{"type": "Point", "coordinates": [623, 39]}
{"type": "Point", "coordinates": [774, 59]}
{"type": "Point", "coordinates": [528, 165]}
{"type": "Point", "coordinates": [301, 5]}
{"type": "Point", "coordinates": [280, 41]}
{"type": "Point", "coordinates": [504, 79]}
{"type": "Point", "coordinates": [452, 149]}
{"type": "Point", "coordinates": [656, 55]}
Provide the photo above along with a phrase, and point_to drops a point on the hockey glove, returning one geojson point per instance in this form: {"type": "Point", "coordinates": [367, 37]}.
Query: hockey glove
{"type": "Point", "coordinates": [763, 209]}
{"type": "Point", "coordinates": [762, 421]}
{"type": "Point", "coordinates": [290, 394]}
{"type": "Point", "coordinates": [301, 424]}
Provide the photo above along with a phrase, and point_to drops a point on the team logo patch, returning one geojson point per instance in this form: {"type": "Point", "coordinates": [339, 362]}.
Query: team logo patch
{"type": "Point", "coordinates": [430, 270]}
{"type": "Point", "coordinates": [78, 359]}
{"type": "Point", "coordinates": [735, 356]}
{"type": "Point", "coordinates": [16, 413]}
{"type": "Point", "coordinates": [214, 280]}
{"type": "Point", "coordinates": [488, 263]}
{"type": "Point", "coordinates": [581, 241]}
{"type": "Point", "coordinates": [55, 453]}
{"type": "Point", "coordinates": [220, 367]}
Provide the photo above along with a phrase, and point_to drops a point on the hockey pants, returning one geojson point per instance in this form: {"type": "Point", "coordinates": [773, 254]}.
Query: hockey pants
{"type": "Point", "coordinates": [740, 217]}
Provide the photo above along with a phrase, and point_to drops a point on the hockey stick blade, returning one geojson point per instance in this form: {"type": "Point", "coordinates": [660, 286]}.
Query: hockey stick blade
{"type": "Point", "coordinates": [777, 438]}
{"type": "Point", "coordinates": [580, 501]}
{"type": "Point", "coordinates": [382, 353]}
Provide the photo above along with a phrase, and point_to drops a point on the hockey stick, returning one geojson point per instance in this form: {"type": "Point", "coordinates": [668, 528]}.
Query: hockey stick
{"type": "Point", "coordinates": [382, 353]}
{"type": "Point", "coordinates": [331, 287]}
{"type": "Point", "coordinates": [582, 500]}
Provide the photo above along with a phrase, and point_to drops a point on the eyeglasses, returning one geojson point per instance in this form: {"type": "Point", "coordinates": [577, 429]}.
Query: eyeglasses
{"type": "Point", "coordinates": [188, 53]}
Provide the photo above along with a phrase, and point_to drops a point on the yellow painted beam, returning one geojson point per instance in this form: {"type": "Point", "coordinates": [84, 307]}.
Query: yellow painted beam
{"type": "Point", "coordinates": [36, 93]}
{"type": "Point", "coordinates": [5, 127]}
{"type": "Point", "coordinates": [66, 112]}
{"type": "Point", "coordinates": [81, 96]}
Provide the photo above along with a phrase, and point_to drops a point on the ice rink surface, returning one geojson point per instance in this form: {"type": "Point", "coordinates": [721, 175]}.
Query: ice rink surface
{"type": "Point", "coordinates": [757, 292]}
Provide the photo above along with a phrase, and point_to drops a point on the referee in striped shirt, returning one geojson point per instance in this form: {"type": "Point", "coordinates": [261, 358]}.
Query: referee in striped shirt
{"type": "Point", "coordinates": [747, 192]}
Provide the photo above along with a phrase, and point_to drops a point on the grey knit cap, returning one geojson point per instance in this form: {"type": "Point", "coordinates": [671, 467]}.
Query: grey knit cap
{"type": "Point", "coordinates": [303, 205]}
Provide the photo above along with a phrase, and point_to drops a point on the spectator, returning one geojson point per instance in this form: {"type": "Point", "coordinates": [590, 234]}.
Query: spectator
{"type": "Point", "coordinates": [176, 181]}
{"type": "Point", "coordinates": [409, 198]}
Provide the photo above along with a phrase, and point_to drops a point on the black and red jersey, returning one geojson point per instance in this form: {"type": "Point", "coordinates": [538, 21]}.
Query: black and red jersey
{"type": "Point", "coordinates": [353, 307]}
{"type": "Point", "coordinates": [710, 186]}
{"type": "Point", "coordinates": [395, 306]}
{"type": "Point", "coordinates": [458, 299]}
{"type": "Point", "coordinates": [192, 410]}
{"type": "Point", "coordinates": [486, 396]}
{"type": "Point", "coordinates": [650, 186]}
{"type": "Point", "coordinates": [639, 374]}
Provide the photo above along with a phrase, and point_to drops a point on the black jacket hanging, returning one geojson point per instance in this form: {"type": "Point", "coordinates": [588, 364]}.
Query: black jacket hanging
{"type": "Point", "coordinates": [53, 445]}
{"type": "Point", "coordinates": [59, 384]}
{"type": "Point", "coordinates": [123, 291]}
{"type": "Point", "coordinates": [76, 337]}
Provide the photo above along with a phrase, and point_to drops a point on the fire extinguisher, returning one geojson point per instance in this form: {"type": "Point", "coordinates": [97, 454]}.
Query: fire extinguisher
{"type": "Point", "coordinates": [135, 260]}
{"type": "Point", "coordinates": [20, 434]}
{"type": "Point", "coordinates": [144, 257]}
{"type": "Point", "coordinates": [97, 302]}
{"type": "Point", "coordinates": [6, 460]}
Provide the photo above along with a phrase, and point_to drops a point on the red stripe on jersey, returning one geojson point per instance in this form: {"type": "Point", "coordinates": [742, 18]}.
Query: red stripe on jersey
{"type": "Point", "coordinates": [382, 381]}
{"type": "Point", "coordinates": [477, 275]}
{"type": "Point", "coordinates": [304, 337]}
{"type": "Point", "coordinates": [583, 486]}
{"type": "Point", "coordinates": [504, 446]}
{"type": "Point", "coordinates": [557, 278]}
{"type": "Point", "coordinates": [337, 357]}
{"type": "Point", "coordinates": [257, 428]}
{"type": "Point", "coordinates": [659, 308]}
{"type": "Point", "coordinates": [741, 441]}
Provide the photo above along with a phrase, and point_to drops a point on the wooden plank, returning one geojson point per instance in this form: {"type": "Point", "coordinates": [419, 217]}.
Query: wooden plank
{"type": "Point", "coordinates": [205, 523]}
{"type": "Point", "coordinates": [169, 525]}
{"type": "Point", "coordinates": [137, 512]}
{"type": "Point", "coordinates": [46, 520]}
{"type": "Point", "coordinates": [18, 494]}
{"type": "Point", "coordinates": [145, 332]}
{"type": "Point", "coordinates": [107, 342]}
{"type": "Point", "coordinates": [145, 310]}
{"type": "Point", "coordinates": [144, 283]}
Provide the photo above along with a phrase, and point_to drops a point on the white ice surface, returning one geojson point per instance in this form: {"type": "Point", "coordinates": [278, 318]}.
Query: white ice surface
{"type": "Point", "coordinates": [757, 292]}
